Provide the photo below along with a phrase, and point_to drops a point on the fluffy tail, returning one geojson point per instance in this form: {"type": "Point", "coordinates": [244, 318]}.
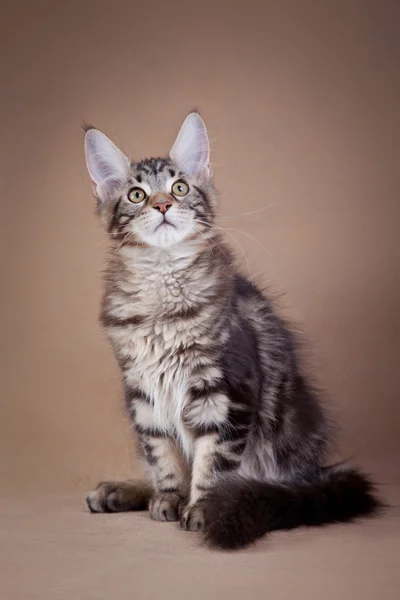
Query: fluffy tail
{"type": "Point", "coordinates": [241, 510]}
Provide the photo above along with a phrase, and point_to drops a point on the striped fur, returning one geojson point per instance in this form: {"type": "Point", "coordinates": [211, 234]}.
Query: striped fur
{"type": "Point", "coordinates": [212, 382]}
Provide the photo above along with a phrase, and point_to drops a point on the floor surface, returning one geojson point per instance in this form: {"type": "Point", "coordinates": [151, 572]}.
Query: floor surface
{"type": "Point", "coordinates": [54, 549]}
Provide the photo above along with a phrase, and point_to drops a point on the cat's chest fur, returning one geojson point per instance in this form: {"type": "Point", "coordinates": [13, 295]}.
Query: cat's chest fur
{"type": "Point", "coordinates": [158, 368]}
{"type": "Point", "coordinates": [160, 292]}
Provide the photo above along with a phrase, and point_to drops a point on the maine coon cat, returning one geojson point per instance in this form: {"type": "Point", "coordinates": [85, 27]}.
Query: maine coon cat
{"type": "Point", "coordinates": [234, 437]}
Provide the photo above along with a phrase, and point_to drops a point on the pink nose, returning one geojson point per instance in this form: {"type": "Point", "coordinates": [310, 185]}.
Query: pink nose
{"type": "Point", "coordinates": [162, 207]}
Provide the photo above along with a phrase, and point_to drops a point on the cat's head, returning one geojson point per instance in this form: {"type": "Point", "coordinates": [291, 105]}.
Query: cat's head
{"type": "Point", "coordinates": [155, 202]}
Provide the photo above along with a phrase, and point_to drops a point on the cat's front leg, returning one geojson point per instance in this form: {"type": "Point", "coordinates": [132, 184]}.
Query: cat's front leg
{"type": "Point", "coordinates": [168, 474]}
{"type": "Point", "coordinates": [203, 476]}
{"type": "Point", "coordinates": [221, 427]}
{"type": "Point", "coordinates": [168, 469]}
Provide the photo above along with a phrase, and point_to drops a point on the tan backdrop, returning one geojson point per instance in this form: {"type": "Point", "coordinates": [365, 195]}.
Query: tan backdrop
{"type": "Point", "coordinates": [302, 103]}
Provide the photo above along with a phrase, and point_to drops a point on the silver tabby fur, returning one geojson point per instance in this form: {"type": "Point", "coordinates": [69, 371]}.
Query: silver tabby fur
{"type": "Point", "coordinates": [212, 383]}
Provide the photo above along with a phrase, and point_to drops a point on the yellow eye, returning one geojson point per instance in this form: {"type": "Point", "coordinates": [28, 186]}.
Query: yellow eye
{"type": "Point", "coordinates": [137, 195]}
{"type": "Point", "coordinates": [180, 188]}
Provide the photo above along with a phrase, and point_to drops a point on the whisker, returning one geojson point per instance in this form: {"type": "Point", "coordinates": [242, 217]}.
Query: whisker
{"type": "Point", "coordinates": [251, 212]}
{"type": "Point", "coordinates": [255, 239]}
{"type": "Point", "coordinates": [118, 247]}
{"type": "Point", "coordinates": [212, 241]}
{"type": "Point", "coordinates": [203, 236]}
{"type": "Point", "coordinates": [234, 239]}
{"type": "Point", "coordinates": [220, 247]}
{"type": "Point", "coordinates": [250, 236]}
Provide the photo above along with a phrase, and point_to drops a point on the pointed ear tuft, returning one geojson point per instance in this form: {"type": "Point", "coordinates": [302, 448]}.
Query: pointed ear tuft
{"type": "Point", "coordinates": [107, 165]}
{"type": "Point", "coordinates": [191, 150]}
{"type": "Point", "coordinates": [86, 126]}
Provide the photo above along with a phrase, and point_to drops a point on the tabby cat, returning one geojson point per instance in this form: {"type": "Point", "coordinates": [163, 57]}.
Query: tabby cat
{"type": "Point", "coordinates": [234, 437]}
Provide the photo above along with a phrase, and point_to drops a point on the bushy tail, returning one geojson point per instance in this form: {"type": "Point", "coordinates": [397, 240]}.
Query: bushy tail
{"type": "Point", "coordinates": [241, 510]}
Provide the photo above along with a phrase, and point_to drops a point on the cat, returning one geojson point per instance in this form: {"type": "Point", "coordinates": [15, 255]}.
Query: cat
{"type": "Point", "coordinates": [234, 437]}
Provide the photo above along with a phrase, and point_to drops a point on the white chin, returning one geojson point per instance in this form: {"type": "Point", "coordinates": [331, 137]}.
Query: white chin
{"type": "Point", "coordinates": [165, 235]}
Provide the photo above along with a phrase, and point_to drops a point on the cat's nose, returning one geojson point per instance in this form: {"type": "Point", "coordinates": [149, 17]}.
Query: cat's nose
{"type": "Point", "coordinates": [162, 206]}
{"type": "Point", "coordinates": [161, 202]}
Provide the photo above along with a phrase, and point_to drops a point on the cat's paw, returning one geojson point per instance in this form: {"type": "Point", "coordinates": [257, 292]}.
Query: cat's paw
{"type": "Point", "coordinates": [119, 496]}
{"type": "Point", "coordinates": [192, 518]}
{"type": "Point", "coordinates": [166, 507]}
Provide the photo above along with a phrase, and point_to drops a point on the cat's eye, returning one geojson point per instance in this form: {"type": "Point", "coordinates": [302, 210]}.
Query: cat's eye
{"type": "Point", "coordinates": [180, 188]}
{"type": "Point", "coordinates": [136, 195]}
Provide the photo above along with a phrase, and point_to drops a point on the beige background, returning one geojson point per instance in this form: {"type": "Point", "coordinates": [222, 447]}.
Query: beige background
{"type": "Point", "coordinates": [302, 103]}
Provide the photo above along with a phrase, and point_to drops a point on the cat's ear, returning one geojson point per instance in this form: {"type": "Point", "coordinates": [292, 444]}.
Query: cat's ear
{"type": "Point", "coordinates": [191, 149]}
{"type": "Point", "coordinates": [108, 167]}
